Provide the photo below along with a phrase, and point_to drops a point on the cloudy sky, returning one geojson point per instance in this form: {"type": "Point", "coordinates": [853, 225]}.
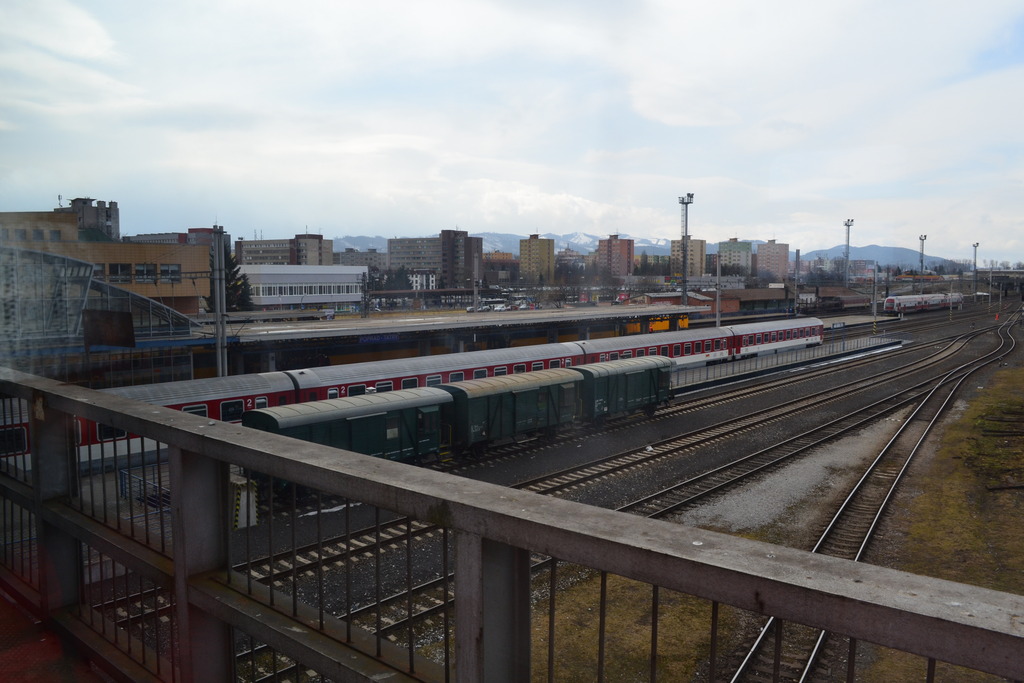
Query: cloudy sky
{"type": "Point", "coordinates": [784, 119]}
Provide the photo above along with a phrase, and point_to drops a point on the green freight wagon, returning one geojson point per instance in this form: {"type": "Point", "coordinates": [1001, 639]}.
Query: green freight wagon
{"type": "Point", "coordinates": [503, 408]}
{"type": "Point", "coordinates": [625, 386]}
{"type": "Point", "coordinates": [396, 425]}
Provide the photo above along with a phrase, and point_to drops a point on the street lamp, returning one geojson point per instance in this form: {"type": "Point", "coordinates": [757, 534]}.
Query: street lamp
{"type": "Point", "coordinates": [685, 201]}
{"type": "Point", "coordinates": [975, 245]}
{"type": "Point", "coordinates": [920, 270]}
{"type": "Point", "coordinates": [846, 278]}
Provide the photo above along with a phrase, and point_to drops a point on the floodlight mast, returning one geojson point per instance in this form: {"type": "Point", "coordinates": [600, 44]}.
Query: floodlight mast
{"type": "Point", "coordinates": [975, 245]}
{"type": "Point", "coordinates": [920, 270]}
{"type": "Point", "coordinates": [685, 201]}
{"type": "Point", "coordinates": [846, 278]}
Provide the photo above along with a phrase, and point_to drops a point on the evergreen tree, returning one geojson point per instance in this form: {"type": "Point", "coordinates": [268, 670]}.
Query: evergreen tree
{"type": "Point", "coordinates": [237, 290]}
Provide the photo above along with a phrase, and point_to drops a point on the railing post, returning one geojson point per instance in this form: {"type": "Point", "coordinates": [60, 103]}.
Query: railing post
{"type": "Point", "coordinates": [492, 611]}
{"type": "Point", "coordinates": [53, 458]}
{"type": "Point", "coordinates": [199, 513]}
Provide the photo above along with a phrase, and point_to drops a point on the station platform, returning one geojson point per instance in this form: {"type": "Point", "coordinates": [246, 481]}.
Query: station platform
{"type": "Point", "coordinates": [31, 654]}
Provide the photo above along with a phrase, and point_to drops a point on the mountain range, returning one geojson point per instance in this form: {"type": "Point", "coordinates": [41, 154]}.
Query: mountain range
{"type": "Point", "coordinates": [586, 243]}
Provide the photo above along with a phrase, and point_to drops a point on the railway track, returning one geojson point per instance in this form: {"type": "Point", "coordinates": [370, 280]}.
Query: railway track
{"type": "Point", "coordinates": [798, 653]}
{"type": "Point", "coordinates": [388, 616]}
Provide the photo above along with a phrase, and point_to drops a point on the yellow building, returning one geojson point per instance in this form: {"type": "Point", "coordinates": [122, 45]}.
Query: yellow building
{"type": "Point", "coordinates": [537, 260]}
{"type": "Point", "coordinates": [176, 275]}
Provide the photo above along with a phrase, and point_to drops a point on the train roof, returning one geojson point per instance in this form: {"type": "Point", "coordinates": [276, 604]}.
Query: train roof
{"type": "Point", "coordinates": [370, 371]}
{"type": "Point", "coordinates": [624, 366]}
{"type": "Point", "coordinates": [300, 414]}
{"type": "Point", "coordinates": [775, 325]}
{"type": "Point", "coordinates": [653, 339]}
{"type": "Point", "coordinates": [210, 388]}
{"type": "Point", "coordinates": [487, 386]}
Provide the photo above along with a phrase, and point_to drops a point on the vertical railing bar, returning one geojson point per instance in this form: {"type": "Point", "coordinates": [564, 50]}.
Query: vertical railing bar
{"type": "Point", "coordinates": [248, 534]}
{"type": "Point", "coordinates": [445, 573]}
{"type": "Point", "coordinates": [252, 656]}
{"type": "Point", "coordinates": [128, 465]}
{"type": "Point", "coordinates": [295, 561]}
{"type": "Point", "coordinates": [146, 485]}
{"type": "Point", "coordinates": [127, 607]}
{"type": "Point", "coordinates": [713, 655]}
{"type": "Point", "coordinates": [156, 625]}
{"type": "Point", "coordinates": [163, 515]}
{"type": "Point", "coordinates": [320, 557]}
{"type": "Point", "coordinates": [104, 447]}
{"type": "Point", "coordinates": [851, 661]}
{"type": "Point", "coordinates": [602, 625]}
{"type": "Point", "coordinates": [408, 591]}
{"type": "Point", "coordinates": [376, 580]}
{"type": "Point", "coordinates": [655, 595]}
{"type": "Point", "coordinates": [552, 587]}
{"type": "Point", "coordinates": [930, 677]}
{"type": "Point", "coordinates": [270, 537]}
{"type": "Point", "coordinates": [777, 663]}
{"type": "Point", "coordinates": [348, 570]}
{"type": "Point", "coordinates": [84, 588]}
{"type": "Point", "coordinates": [144, 618]}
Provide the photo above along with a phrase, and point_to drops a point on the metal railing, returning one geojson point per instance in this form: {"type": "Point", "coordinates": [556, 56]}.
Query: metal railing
{"type": "Point", "coordinates": [354, 568]}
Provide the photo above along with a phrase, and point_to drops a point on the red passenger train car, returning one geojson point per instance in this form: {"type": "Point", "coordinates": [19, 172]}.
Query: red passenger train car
{"type": "Point", "coordinates": [227, 398]}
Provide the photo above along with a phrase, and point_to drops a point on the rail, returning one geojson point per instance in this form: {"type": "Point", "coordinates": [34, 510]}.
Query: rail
{"type": "Point", "coordinates": [157, 596]}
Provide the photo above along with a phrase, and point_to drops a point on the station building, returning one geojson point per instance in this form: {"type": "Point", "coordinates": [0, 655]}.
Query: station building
{"type": "Point", "coordinates": [276, 287]}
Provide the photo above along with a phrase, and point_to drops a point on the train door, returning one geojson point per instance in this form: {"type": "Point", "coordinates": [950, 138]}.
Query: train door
{"type": "Point", "coordinates": [368, 434]}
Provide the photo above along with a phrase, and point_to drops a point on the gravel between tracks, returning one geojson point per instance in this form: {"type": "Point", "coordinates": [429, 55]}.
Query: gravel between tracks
{"type": "Point", "coordinates": [798, 498]}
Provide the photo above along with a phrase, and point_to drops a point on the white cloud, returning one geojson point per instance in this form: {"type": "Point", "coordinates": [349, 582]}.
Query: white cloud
{"type": "Point", "coordinates": [593, 116]}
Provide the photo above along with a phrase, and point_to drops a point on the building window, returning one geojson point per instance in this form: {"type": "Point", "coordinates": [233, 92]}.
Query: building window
{"type": "Point", "coordinates": [55, 235]}
{"type": "Point", "coordinates": [120, 272]}
{"type": "Point", "coordinates": [170, 272]}
{"type": "Point", "coordinates": [145, 272]}
{"type": "Point", "coordinates": [37, 235]}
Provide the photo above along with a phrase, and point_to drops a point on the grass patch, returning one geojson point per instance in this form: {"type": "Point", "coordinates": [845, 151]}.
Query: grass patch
{"type": "Point", "coordinates": [684, 626]}
{"type": "Point", "coordinates": [964, 525]}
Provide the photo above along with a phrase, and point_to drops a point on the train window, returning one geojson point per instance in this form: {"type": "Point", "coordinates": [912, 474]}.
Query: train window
{"type": "Point", "coordinates": [568, 362]}
{"type": "Point", "coordinates": [557, 363]}
{"type": "Point", "coordinates": [332, 392]}
{"type": "Point", "coordinates": [108, 433]}
{"type": "Point", "coordinates": [12, 441]}
{"type": "Point", "coordinates": [231, 411]}
{"type": "Point", "coordinates": [613, 356]}
{"type": "Point", "coordinates": [518, 368]}
{"type": "Point", "coordinates": [261, 402]}
{"type": "Point", "coordinates": [457, 376]}
{"type": "Point", "coordinates": [707, 346]}
{"type": "Point", "coordinates": [392, 428]}
{"type": "Point", "coordinates": [664, 351]}
{"type": "Point", "coordinates": [199, 409]}
{"type": "Point", "coordinates": [758, 339]}
{"type": "Point", "coordinates": [410, 383]}
{"type": "Point", "coordinates": [357, 390]}
{"type": "Point", "coordinates": [603, 357]}
{"type": "Point", "coordinates": [775, 337]}
{"type": "Point", "coordinates": [686, 349]}
{"type": "Point", "coordinates": [629, 354]}
{"type": "Point", "coordinates": [676, 350]}
{"type": "Point", "coordinates": [381, 387]}
{"type": "Point", "coordinates": [537, 366]}
{"type": "Point", "coordinates": [433, 380]}
{"type": "Point", "coordinates": [480, 374]}
{"type": "Point", "coordinates": [653, 351]}
{"type": "Point", "coordinates": [498, 372]}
